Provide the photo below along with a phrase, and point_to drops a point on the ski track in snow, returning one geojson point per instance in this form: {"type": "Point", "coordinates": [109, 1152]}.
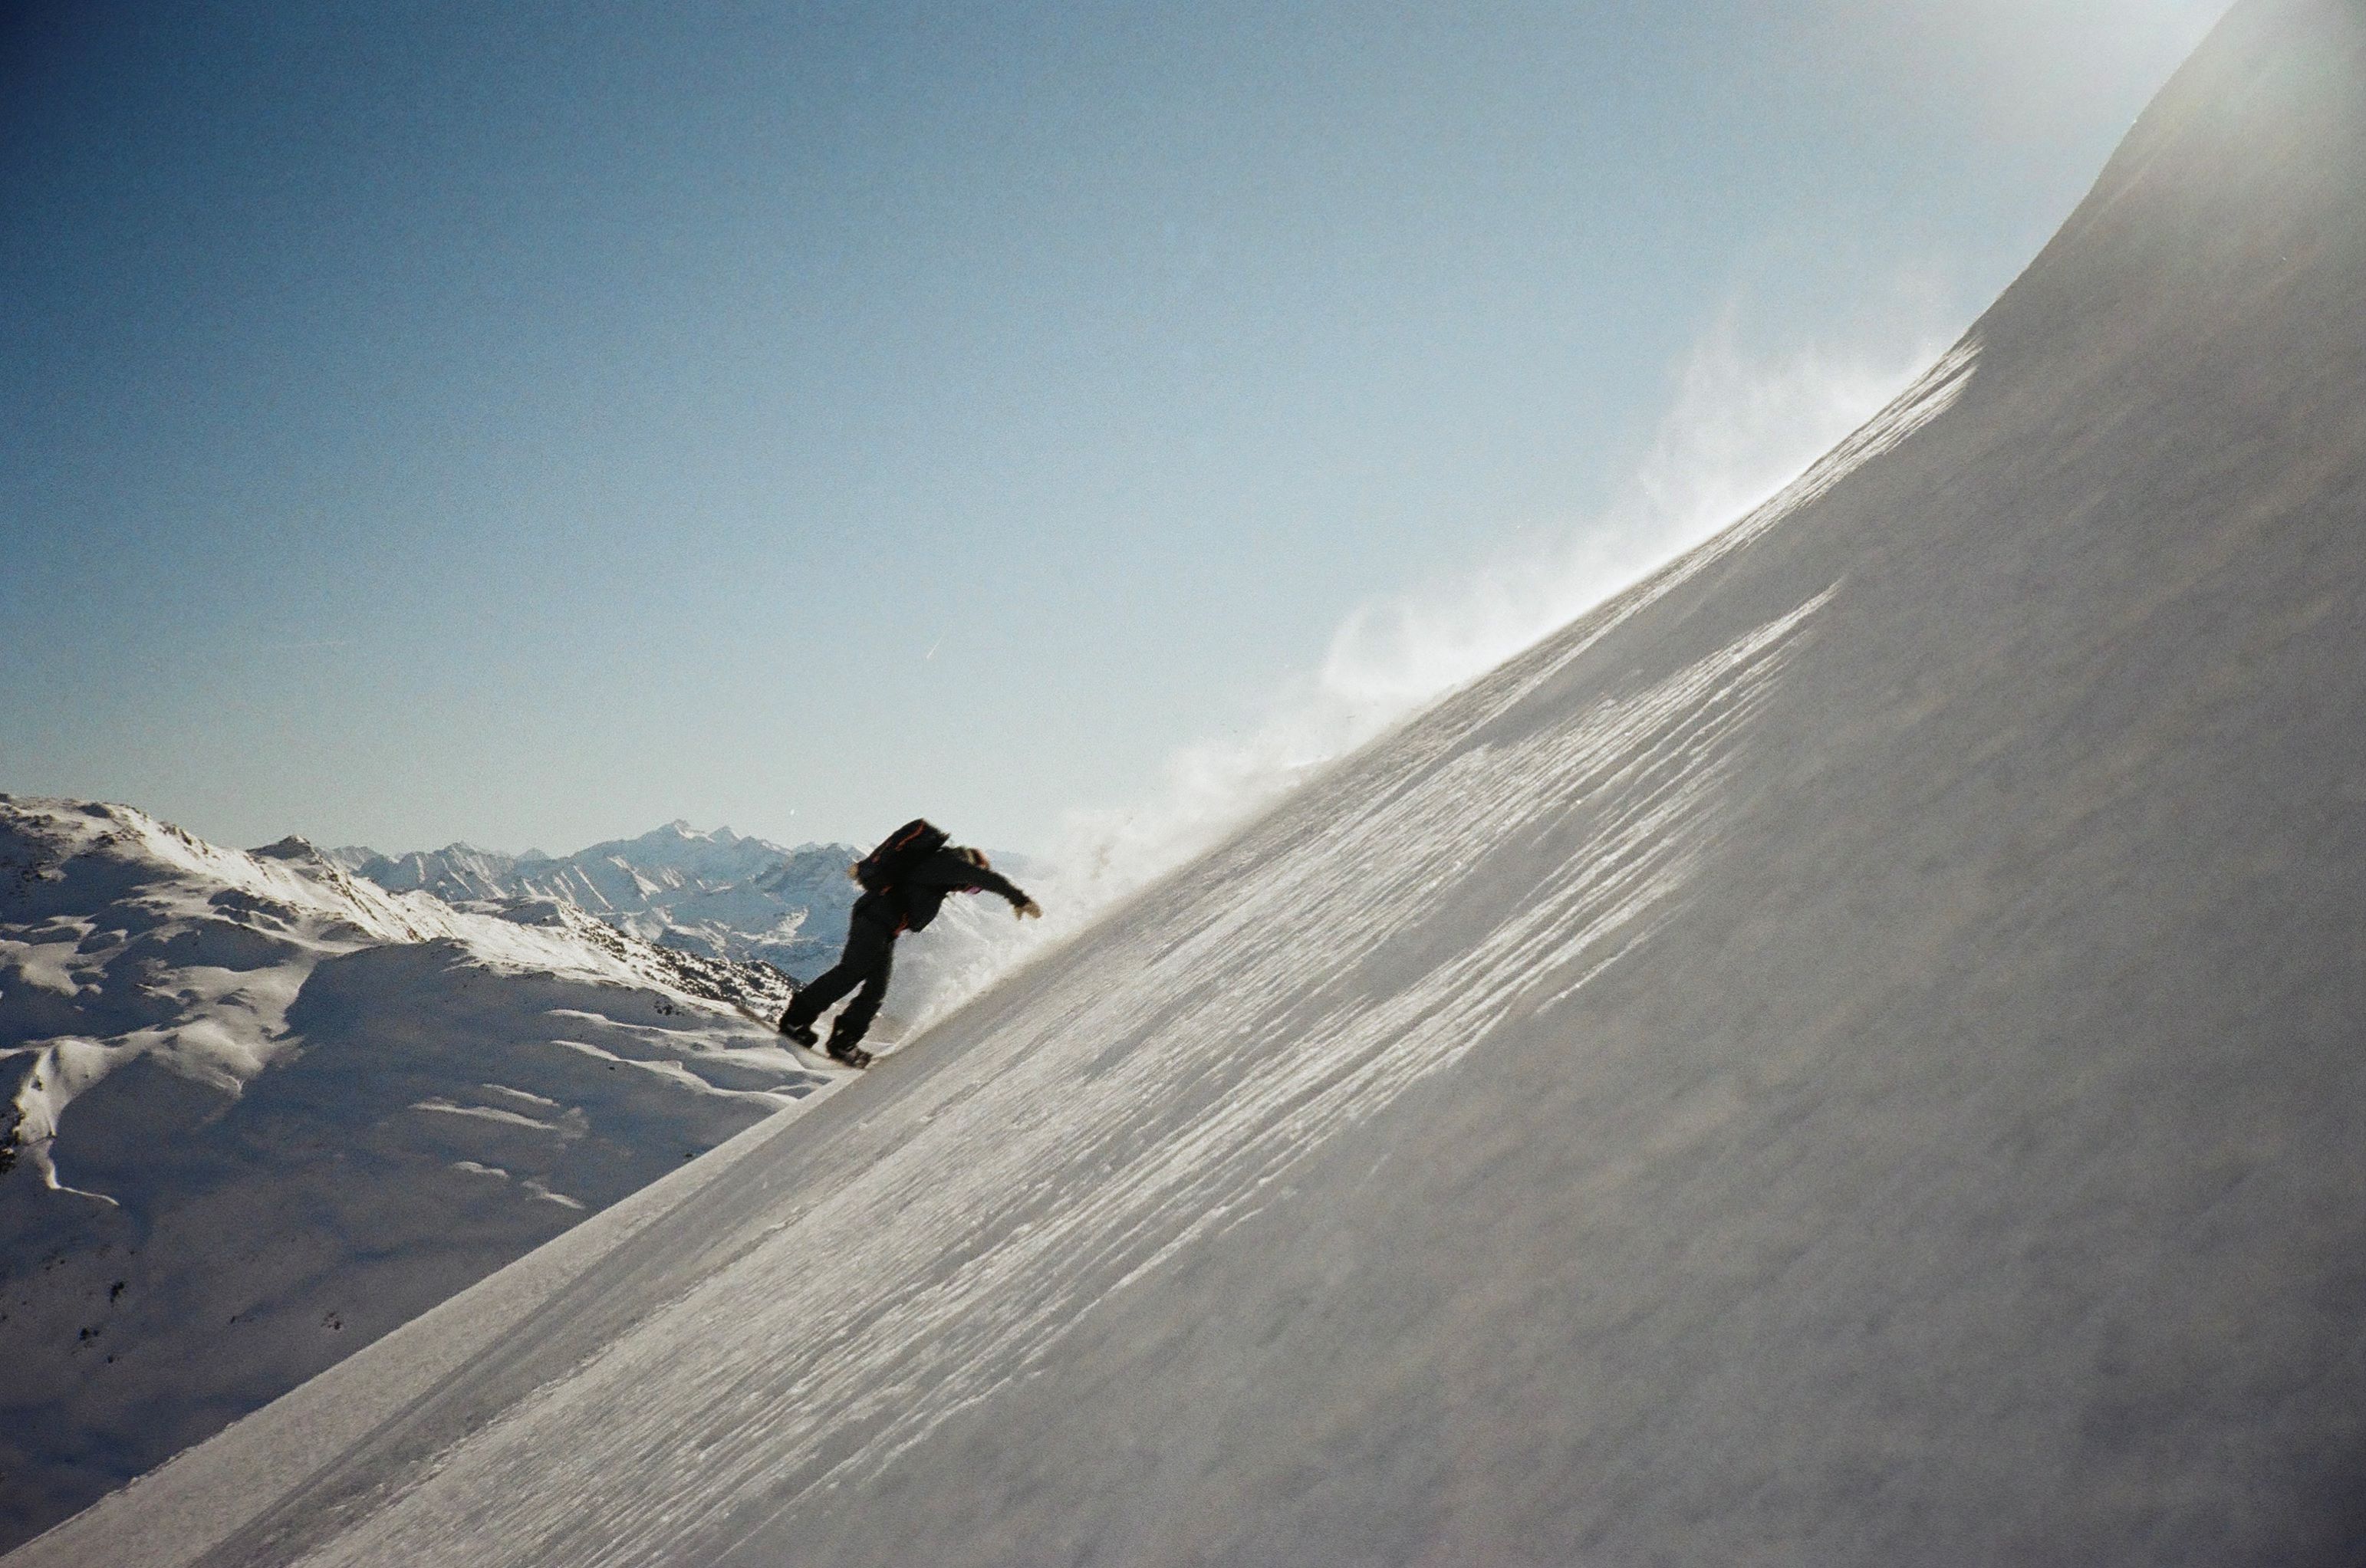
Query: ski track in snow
{"type": "Point", "coordinates": [1117, 1118]}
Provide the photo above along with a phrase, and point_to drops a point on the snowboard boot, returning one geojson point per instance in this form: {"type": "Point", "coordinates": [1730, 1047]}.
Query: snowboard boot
{"type": "Point", "coordinates": [801, 1033]}
{"type": "Point", "coordinates": [848, 1052]}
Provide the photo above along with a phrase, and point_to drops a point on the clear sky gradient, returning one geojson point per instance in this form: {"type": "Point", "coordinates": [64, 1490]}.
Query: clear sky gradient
{"type": "Point", "coordinates": [531, 424]}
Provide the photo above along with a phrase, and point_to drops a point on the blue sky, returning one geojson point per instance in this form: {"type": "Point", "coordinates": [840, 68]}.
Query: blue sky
{"type": "Point", "coordinates": [528, 425]}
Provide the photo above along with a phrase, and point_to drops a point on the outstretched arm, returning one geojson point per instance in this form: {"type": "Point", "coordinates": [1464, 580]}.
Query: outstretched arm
{"type": "Point", "coordinates": [986, 879]}
{"type": "Point", "coordinates": [956, 873]}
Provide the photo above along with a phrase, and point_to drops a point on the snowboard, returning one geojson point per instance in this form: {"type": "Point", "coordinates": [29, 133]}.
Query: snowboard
{"type": "Point", "coordinates": [811, 1056]}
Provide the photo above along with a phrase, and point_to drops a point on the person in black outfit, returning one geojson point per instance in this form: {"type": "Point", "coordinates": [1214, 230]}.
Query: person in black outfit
{"type": "Point", "coordinates": [879, 918]}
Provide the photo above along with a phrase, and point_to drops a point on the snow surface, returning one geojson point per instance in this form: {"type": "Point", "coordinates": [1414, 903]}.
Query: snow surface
{"type": "Point", "coordinates": [261, 1112]}
{"type": "Point", "coordinates": [1846, 1054]}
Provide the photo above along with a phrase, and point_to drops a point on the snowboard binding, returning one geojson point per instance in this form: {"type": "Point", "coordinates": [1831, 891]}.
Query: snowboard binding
{"type": "Point", "coordinates": [803, 1035]}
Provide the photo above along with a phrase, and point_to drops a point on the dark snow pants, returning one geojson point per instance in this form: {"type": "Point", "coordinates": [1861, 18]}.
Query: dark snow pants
{"type": "Point", "coordinates": [870, 954]}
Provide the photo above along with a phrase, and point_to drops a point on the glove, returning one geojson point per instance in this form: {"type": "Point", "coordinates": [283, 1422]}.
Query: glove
{"type": "Point", "coordinates": [854, 874]}
{"type": "Point", "coordinates": [1031, 909]}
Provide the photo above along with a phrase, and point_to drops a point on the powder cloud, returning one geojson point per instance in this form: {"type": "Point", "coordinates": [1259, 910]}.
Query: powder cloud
{"type": "Point", "coordinates": [1739, 427]}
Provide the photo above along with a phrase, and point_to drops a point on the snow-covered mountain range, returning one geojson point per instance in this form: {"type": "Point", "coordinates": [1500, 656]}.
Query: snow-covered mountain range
{"type": "Point", "coordinates": [713, 892]}
{"type": "Point", "coordinates": [255, 1110]}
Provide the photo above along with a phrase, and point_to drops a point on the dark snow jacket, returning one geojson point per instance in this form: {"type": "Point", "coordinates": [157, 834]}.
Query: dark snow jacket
{"type": "Point", "coordinates": [922, 891]}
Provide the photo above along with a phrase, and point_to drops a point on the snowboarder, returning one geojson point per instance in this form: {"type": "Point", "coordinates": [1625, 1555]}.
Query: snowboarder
{"type": "Point", "coordinates": [905, 881]}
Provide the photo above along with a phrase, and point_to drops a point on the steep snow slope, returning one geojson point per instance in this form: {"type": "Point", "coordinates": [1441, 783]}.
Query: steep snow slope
{"type": "Point", "coordinates": [1847, 1054]}
{"type": "Point", "coordinates": [259, 1112]}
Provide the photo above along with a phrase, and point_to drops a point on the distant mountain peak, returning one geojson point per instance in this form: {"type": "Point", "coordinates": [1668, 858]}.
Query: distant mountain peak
{"type": "Point", "coordinates": [716, 893]}
{"type": "Point", "coordinates": [680, 830]}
